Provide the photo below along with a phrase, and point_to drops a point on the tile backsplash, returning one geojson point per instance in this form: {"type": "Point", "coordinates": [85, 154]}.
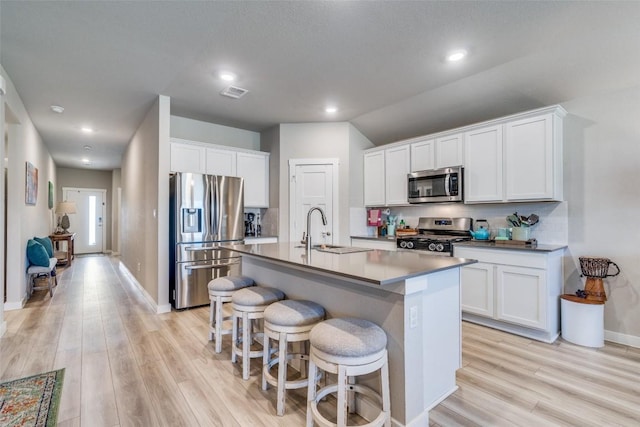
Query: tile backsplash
{"type": "Point", "coordinates": [552, 228]}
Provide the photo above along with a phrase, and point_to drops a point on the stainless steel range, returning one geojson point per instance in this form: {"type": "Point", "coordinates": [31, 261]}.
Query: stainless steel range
{"type": "Point", "coordinates": [437, 235]}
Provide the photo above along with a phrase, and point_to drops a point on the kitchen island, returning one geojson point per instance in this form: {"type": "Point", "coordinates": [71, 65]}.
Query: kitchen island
{"type": "Point", "coordinates": [414, 297]}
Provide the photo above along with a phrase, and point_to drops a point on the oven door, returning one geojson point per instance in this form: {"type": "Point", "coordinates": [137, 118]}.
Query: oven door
{"type": "Point", "coordinates": [441, 185]}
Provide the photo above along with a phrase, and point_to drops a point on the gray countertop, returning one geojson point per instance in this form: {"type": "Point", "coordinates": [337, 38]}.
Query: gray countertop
{"type": "Point", "coordinates": [378, 267]}
{"type": "Point", "coordinates": [489, 244]}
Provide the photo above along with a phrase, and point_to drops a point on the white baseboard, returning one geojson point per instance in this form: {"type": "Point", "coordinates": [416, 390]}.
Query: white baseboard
{"type": "Point", "coordinates": [165, 308]}
{"type": "Point", "coordinates": [16, 305]}
{"type": "Point", "coordinates": [617, 337]}
{"type": "Point", "coordinates": [149, 298]}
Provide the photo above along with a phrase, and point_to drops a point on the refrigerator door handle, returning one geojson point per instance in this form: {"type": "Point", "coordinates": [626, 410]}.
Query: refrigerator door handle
{"type": "Point", "coordinates": [203, 248]}
{"type": "Point", "coordinates": [216, 207]}
{"type": "Point", "coordinates": [203, 267]}
{"type": "Point", "coordinates": [209, 231]}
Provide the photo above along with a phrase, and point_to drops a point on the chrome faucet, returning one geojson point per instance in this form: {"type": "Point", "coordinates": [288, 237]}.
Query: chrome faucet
{"type": "Point", "coordinates": [324, 222]}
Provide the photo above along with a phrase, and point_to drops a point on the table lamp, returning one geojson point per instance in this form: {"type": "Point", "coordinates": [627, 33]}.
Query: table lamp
{"type": "Point", "coordinates": [65, 208]}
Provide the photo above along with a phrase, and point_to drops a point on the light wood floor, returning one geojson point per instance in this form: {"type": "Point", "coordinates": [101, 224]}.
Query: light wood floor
{"type": "Point", "coordinates": [127, 366]}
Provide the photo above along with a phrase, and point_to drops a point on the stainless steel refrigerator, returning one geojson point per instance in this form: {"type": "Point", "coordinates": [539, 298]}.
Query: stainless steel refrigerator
{"type": "Point", "coordinates": [206, 211]}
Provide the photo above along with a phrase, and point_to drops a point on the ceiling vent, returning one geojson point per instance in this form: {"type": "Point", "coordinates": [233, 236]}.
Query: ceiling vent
{"type": "Point", "coordinates": [234, 92]}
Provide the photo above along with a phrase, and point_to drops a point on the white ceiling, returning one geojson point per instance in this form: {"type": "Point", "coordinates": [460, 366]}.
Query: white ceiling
{"type": "Point", "coordinates": [380, 62]}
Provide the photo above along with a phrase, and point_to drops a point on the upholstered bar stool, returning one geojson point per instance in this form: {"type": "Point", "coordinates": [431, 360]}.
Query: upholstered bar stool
{"type": "Point", "coordinates": [221, 290]}
{"type": "Point", "coordinates": [288, 321]}
{"type": "Point", "coordinates": [248, 306]}
{"type": "Point", "coordinates": [348, 347]}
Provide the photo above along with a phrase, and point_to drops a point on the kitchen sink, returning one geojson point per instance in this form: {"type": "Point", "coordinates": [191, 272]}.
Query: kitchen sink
{"type": "Point", "coordinates": [339, 249]}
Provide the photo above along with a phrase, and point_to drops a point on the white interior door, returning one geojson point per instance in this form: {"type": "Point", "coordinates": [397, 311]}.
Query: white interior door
{"type": "Point", "coordinates": [88, 221]}
{"type": "Point", "coordinates": [313, 185]}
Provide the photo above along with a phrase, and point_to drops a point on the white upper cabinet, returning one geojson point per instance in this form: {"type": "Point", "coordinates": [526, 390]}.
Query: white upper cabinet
{"type": "Point", "coordinates": [374, 178]}
{"type": "Point", "coordinates": [483, 165]}
{"type": "Point", "coordinates": [397, 165]}
{"type": "Point", "coordinates": [533, 158]}
{"type": "Point", "coordinates": [515, 160]}
{"type": "Point", "coordinates": [385, 176]}
{"type": "Point", "coordinates": [187, 158]}
{"type": "Point", "coordinates": [449, 151]}
{"type": "Point", "coordinates": [221, 162]}
{"type": "Point", "coordinates": [254, 168]}
{"type": "Point", "coordinates": [423, 155]}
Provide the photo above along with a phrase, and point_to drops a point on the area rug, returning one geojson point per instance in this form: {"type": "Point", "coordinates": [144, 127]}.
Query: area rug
{"type": "Point", "coordinates": [31, 401]}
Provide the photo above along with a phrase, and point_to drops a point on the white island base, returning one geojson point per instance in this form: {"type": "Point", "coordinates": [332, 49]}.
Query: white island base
{"type": "Point", "coordinates": [420, 314]}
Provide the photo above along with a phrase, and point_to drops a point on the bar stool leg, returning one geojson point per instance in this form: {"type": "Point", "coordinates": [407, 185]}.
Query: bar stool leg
{"type": "Point", "coordinates": [266, 353]}
{"type": "Point", "coordinates": [282, 373]}
{"type": "Point", "coordinates": [234, 337]}
{"type": "Point", "coordinates": [386, 394]}
{"type": "Point", "coordinates": [218, 327]}
{"type": "Point", "coordinates": [311, 390]}
{"type": "Point", "coordinates": [212, 310]}
{"type": "Point", "coordinates": [351, 395]}
{"type": "Point", "coordinates": [342, 397]}
{"type": "Point", "coordinates": [247, 339]}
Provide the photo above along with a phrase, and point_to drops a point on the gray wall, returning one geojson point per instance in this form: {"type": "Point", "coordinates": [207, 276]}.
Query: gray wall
{"type": "Point", "coordinates": [139, 233]}
{"type": "Point", "coordinates": [212, 133]}
{"type": "Point", "coordinates": [602, 189]}
{"type": "Point", "coordinates": [87, 178]}
{"type": "Point", "coordinates": [318, 140]}
{"type": "Point", "coordinates": [24, 144]}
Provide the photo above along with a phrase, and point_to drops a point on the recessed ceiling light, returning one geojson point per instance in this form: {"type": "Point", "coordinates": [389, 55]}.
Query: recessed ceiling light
{"type": "Point", "coordinates": [331, 110]}
{"type": "Point", "coordinates": [87, 129]}
{"type": "Point", "coordinates": [456, 55]}
{"type": "Point", "coordinates": [227, 76]}
{"type": "Point", "coordinates": [57, 109]}
{"type": "Point", "coordinates": [86, 161]}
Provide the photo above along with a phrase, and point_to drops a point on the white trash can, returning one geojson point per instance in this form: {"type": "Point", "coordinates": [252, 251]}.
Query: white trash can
{"type": "Point", "coordinates": [582, 322]}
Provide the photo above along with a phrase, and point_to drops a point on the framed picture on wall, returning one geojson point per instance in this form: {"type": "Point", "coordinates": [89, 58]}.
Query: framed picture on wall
{"type": "Point", "coordinates": [50, 195]}
{"type": "Point", "coordinates": [31, 185]}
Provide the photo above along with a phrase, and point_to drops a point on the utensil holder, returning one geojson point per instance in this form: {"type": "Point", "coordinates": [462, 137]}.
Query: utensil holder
{"type": "Point", "coordinates": [521, 233]}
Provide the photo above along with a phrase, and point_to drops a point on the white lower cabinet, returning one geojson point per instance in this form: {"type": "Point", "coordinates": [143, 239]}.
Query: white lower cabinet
{"type": "Point", "coordinates": [513, 290]}
{"type": "Point", "coordinates": [387, 245]}
{"type": "Point", "coordinates": [476, 281]}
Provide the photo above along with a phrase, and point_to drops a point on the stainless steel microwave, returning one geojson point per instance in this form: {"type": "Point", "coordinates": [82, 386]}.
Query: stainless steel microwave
{"type": "Point", "coordinates": [439, 185]}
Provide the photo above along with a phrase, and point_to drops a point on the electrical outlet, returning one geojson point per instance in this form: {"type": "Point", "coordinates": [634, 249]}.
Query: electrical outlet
{"type": "Point", "coordinates": [138, 267]}
{"type": "Point", "coordinates": [413, 317]}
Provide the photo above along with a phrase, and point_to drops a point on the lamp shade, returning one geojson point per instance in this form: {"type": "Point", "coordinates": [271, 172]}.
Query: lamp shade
{"type": "Point", "coordinates": [66, 208]}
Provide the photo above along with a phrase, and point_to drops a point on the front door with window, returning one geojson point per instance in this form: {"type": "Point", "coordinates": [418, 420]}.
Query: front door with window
{"type": "Point", "coordinates": [88, 222]}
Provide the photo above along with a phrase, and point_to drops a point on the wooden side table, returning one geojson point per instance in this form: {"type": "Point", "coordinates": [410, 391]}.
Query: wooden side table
{"type": "Point", "coordinates": [64, 237]}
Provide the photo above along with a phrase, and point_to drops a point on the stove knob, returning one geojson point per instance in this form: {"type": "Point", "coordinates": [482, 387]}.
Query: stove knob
{"type": "Point", "coordinates": [409, 245]}
{"type": "Point", "coordinates": [432, 246]}
{"type": "Point", "coordinates": [439, 247]}
{"type": "Point", "coordinates": [403, 244]}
